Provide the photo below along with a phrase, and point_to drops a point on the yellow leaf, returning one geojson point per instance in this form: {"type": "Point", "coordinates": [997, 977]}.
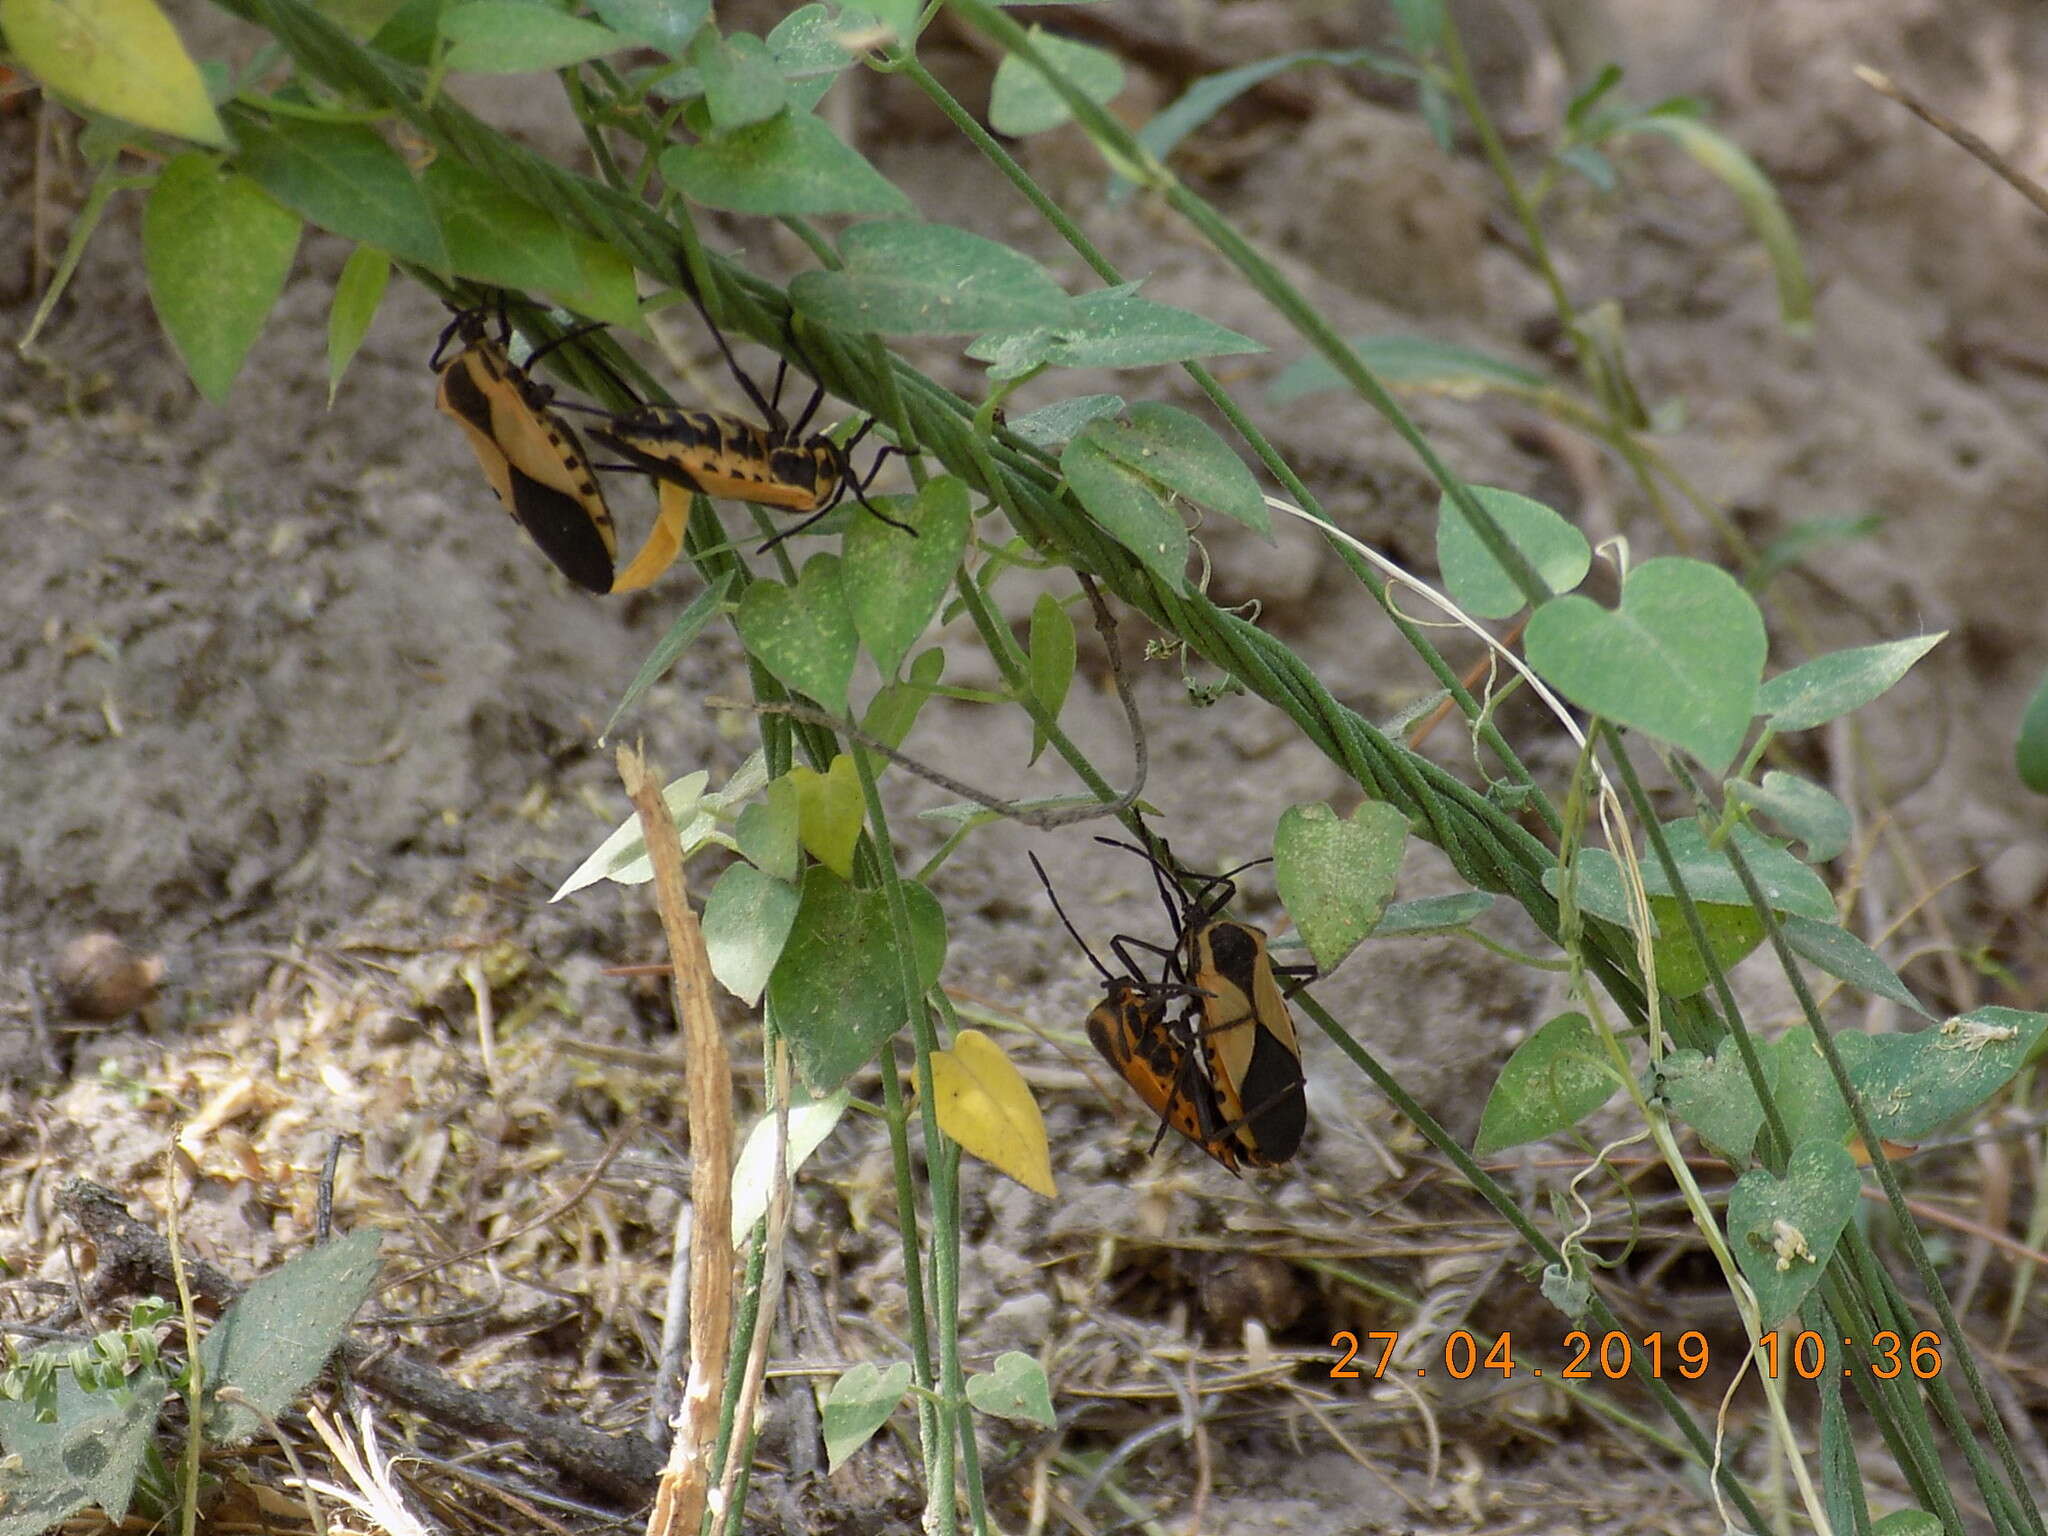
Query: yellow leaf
{"type": "Point", "coordinates": [829, 813]}
{"type": "Point", "coordinates": [120, 57]}
{"type": "Point", "coordinates": [983, 1102]}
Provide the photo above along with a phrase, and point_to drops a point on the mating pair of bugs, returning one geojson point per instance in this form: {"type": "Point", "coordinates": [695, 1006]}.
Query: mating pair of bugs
{"type": "Point", "coordinates": [1208, 1044]}
{"type": "Point", "coordinates": [536, 465]}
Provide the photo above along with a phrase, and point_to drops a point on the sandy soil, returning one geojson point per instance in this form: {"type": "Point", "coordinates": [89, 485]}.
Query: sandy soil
{"type": "Point", "coordinates": [288, 702]}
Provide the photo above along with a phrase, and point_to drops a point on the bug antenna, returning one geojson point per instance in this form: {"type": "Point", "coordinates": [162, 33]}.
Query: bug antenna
{"type": "Point", "coordinates": [1069, 922]}
{"type": "Point", "coordinates": [1171, 895]}
{"type": "Point", "coordinates": [769, 413]}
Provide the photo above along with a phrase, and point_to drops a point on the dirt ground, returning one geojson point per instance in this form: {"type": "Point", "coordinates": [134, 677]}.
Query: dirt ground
{"type": "Point", "coordinates": [287, 702]}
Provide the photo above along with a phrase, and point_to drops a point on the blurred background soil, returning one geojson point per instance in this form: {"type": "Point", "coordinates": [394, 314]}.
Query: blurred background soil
{"type": "Point", "coordinates": [287, 702]}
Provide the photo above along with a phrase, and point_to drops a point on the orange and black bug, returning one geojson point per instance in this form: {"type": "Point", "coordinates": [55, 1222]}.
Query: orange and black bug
{"type": "Point", "coordinates": [530, 456]}
{"type": "Point", "coordinates": [1239, 1016]}
{"type": "Point", "coordinates": [1149, 1049]}
{"type": "Point", "coordinates": [725, 456]}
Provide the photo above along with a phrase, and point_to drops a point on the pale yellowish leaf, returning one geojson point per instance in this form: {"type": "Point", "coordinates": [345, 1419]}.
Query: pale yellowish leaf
{"type": "Point", "coordinates": [983, 1102]}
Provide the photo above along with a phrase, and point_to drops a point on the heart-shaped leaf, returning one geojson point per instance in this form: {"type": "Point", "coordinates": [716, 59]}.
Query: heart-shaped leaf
{"type": "Point", "coordinates": [1732, 932]}
{"type": "Point", "coordinates": [1680, 659]}
{"type": "Point", "coordinates": [1015, 1389]}
{"type": "Point", "coordinates": [1556, 1078]}
{"type": "Point", "coordinates": [894, 581]}
{"type": "Point", "coordinates": [1336, 877]}
{"type": "Point", "coordinates": [860, 1403]}
{"type": "Point", "coordinates": [895, 707]}
{"type": "Point", "coordinates": [983, 1102]}
{"type": "Point", "coordinates": [1715, 1098]}
{"type": "Point", "coordinates": [1804, 1089]}
{"type": "Point", "coordinates": [1783, 1231]}
{"type": "Point", "coordinates": [837, 991]}
{"type": "Point", "coordinates": [830, 811]}
{"type": "Point", "coordinates": [1558, 551]}
{"type": "Point", "coordinates": [804, 636]}
{"type": "Point", "coordinates": [747, 919]}
{"type": "Point", "coordinates": [1913, 1083]}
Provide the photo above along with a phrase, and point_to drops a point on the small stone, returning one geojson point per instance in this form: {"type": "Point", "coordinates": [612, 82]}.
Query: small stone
{"type": "Point", "coordinates": [101, 979]}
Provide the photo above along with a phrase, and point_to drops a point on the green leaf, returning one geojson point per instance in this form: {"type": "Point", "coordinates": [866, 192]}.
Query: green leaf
{"type": "Point", "coordinates": [894, 581]}
{"type": "Point", "coordinates": [742, 84]}
{"type": "Point", "coordinates": [1907, 1522]}
{"type": "Point", "coordinates": [119, 57]}
{"type": "Point", "coordinates": [2030, 751]}
{"type": "Point", "coordinates": [1476, 581]}
{"type": "Point", "coordinates": [805, 635]}
{"type": "Point", "coordinates": [500, 238]}
{"type": "Point", "coordinates": [1051, 425]}
{"type": "Point", "coordinates": [89, 1455]}
{"type": "Point", "coordinates": [1113, 328]}
{"type": "Point", "coordinates": [1804, 1089]}
{"type": "Point", "coordinates": [1023, 102]}
{"type": "Point", "coordinates": [217, 248]}
{"type": "Point", "coordinates": [791, 164]}
{"type": "Point", "coordinates": [512, 37]}
{"type": "Point", "coordinates": [1679, 660]}
{"type": "Point", "coordinates": [1715, 1098]}
{"type": "Point", "coordinates": [1051, 662]}
{"type": "Point", "coordinates": [1433, 914]}
{"type": "Point", "coordinates": [913, 279]}
{"type": "Point", "coordinates": [1721, 157]}
{"type": "Point", "coordinates": [1556, 1078]}
{"type": "Point", "coordinates": [272, 1342]}
{"type": "Point", "coordinates": [830, 811]}
{"type": "Point", "coordinates": [357, 293]}
{"type": "Point", "coordinates": [1802, 809]}
{"type": "Point", "coordinates": [1912, 1084]}
{"type": "Point", "coordinates": [747, 919]}
{"type": "Point", "coordinates": [688, 625]}
{"type": "Point", "coordinates": [1015, 1389]}
{"type": "Point", "coordinates": [623, 855]}
{"type": "Point", "coordinates": [767, 830]}
{"type": "Point", "coordinates": [1783, 1231]}
{"type": "Point", "coordinates": [896, 706]}
{"type": "Point", "coordinates": [667, 25]}
{"type": "Point", "coordinates": [1433, 367]}
{"type": "Point", "coordinates": [860, 1403]}
{"type": "Point", "coordinates": [1129, 509]}
{"type": "Point", "coordinates": [1335, 877]}
{"type": "Point", "coordinates": [1732, 932]}
{"type": "Point", "coordinates": [344, 178]}
{"type": "Point", "coordinates": [1210, 94]}
{"type": "Point", "coordinates": [837, 991]}
{"type": "Point", "coordinates": [1828, 686]}
{"type": "Point", "coordinates": [1184, 454]}
{"type": "Point", "coordinates": [1803, 538]}
{"type": "Point", "coordinates": [1788, 884]}
{"type": "Point", "coordinates": [1840, 953]}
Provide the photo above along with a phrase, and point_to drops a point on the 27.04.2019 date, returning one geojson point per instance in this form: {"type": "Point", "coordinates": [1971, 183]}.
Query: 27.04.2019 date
{"type": "Point", "coordinates": [1615, 1355]}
